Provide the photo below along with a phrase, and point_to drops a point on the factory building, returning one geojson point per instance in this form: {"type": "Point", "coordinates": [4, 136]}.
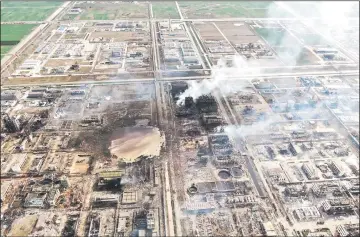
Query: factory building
{"type": "Point", "coordinates": [6, 191]}
{"type": "Point", "coordinates": [12, 124]}
{"type": "Point", "coordinates": [294, 149]}
{"type": "Point", "coordinates": [336, 169]}
{"type": "Point", "coordinates": [36, 164]}
{"type": "Point", "coordinates": [296, 191]}
{"type": "Point", "coordinates": [326, 51]}
{"type": "Point", "coordinates": [92, 119]}
{"type": "Point", "coordinates": [30, 64]}
{"type": "Point", "coordinates": [109, 179]}
{"type": "Point", "coordinates": [306, 213]}
{"type": "Point", "coordinates": [19, 162]}
{"type": "Point", "coordinates": [196, 208]}
{"type": "Point", "coordinates": [77, 92]}
{"type": "Point", "coordinates": [337, 207]}
{"type": "Point", "coordinates": [53, 196]}
{"type": "Point", "coordinates": [309, 172]}
{"type": "Point", "coordinates": [35, 200]}
{"type": "Point", "coordinates": [268, 229]}
{"type": "Point", "coordinates": [35, 95]}
{"type": "Point", "coordinates": [319, 190]}
{"type": "Point", "coordinates": [10, 95]}
{"type": "Point", "coordinates": [347, 230]}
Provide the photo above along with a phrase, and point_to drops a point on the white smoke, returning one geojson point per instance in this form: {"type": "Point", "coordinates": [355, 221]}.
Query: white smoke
{"type": "Point", "coordinates": [220, 74]}
{"type": "Point", "coordinates": [255, 128]}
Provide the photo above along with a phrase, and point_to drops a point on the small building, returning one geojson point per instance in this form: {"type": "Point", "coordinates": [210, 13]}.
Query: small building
{"type": "Point", "coordinates": [326, 51]}
{"type": "Point", "coordinates": [75, 10]}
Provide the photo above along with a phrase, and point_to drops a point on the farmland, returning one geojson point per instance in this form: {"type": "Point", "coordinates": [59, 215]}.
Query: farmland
{"type": "Point", "coordinates": [27, 11]}
{"type": "Point", "coordinates": [165, 10]}
{"type": "Point", "coordinates": [231, 9]}
{"type": "Point", "coordinates": [15, 32]}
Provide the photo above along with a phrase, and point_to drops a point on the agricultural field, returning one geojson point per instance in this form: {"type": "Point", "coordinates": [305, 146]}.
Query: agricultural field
{"type": "Point", "coordinates": [107, 11]}
{"type": "Point", "coordinates": [165, 10]}
{"type": "Point", "coordinates": [312, 39]}
{"type": "Point", "coordinates": [5, 49]}
{"type": "Point", "coordinates": [231, 9]}
{"type": "Point", "coordinates": [15, 32]}
{"type": "Point", "coordinates": [276, 36]}
{"type": "Point", "coordinates": [11, 35]}
{"type": "Point", "coordinates": [30, 4]}
{"type": "Point", "coordinates": [27, 11]}
{"type": "Point", "coordinates": [316, 9]}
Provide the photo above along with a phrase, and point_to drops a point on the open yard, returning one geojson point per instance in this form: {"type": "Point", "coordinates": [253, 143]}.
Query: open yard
{"type": "Point", "coordinates": [165, 10]}
{"type": "Point", "coordinates": [23, 226]}
{"type": "Point", "coordinates": [27, 11]}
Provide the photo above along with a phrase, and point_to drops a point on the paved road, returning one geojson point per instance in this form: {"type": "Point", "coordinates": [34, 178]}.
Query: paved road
{"type": "Point", "coordinates": [204, 20]}
{"type": "Point", "coordinates": [169, 79]}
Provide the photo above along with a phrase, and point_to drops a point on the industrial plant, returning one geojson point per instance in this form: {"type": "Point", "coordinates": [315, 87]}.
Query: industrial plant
{"type": "Point", "coordinates": [127, 118]}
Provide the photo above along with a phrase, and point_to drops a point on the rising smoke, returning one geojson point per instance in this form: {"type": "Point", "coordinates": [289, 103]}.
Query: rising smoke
{"type": "Point", "coordinates": [218, 79]}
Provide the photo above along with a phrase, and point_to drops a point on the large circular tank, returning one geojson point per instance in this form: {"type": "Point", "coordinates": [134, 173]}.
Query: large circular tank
{"type": "Point", "coordinates": [224, 174]}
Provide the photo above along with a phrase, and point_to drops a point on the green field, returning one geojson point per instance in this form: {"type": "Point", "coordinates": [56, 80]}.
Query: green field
{"type": "Point", "coordinates": [312, 39]}
{"type": "Point", "coordinates": [165, 10]}
{"type": "Point", "coordinates": [99, 15]}
{"type": "Point", "coordinates": [109, 11]}
{"type": "Point", "coordinates": [15, 32]}
{"type": "Point", "coordinates": [272, 11]}
{"type": "Point", "coordinates": [275, 36]}
{"type": "Point", "coordinates": [5, 49]}
{"type": "Point", "coordinates": [68, 17]}
{"type": "Point", "coordinates": [27, 4]}
{"type": "Point", "coordinates": [27, 11]}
